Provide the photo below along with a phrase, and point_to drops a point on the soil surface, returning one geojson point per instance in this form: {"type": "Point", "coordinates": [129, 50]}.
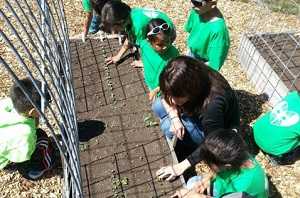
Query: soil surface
{"type": "Point", "coordinates": [121, 158]}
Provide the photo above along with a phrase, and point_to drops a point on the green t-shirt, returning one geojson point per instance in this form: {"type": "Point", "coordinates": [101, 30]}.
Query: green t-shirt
{"type": "Point", "coordinates": [278, 131]}
{"type": "Point", "coordinates": [17, 135]}
{"type": "Point", "coordinates": [249, 180]}
{"type": "Point", "coordinates": [154, 62]}
{"type": "Point", "coordinates": [87, 6]}
{"type": "Point", "coordinates": [208, 40]}
{"type": "Point", "coordinates": [140, 17]}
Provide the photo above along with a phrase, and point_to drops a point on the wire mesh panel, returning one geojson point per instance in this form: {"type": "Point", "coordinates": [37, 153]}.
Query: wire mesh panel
{"type": "Point", "coordinates": [35, 44]}
{"type": "Point", "coordinates": [270, 48]}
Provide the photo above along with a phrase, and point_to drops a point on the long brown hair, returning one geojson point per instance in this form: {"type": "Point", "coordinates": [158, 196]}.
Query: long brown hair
{"type": "Point", "coordinates": [187, 77]}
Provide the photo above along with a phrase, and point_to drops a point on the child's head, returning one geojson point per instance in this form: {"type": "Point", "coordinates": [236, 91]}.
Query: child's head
{"type": "Point", "coordinates": [97, 5]}
{"type": "Point", "coordinates": [224, 149]}
{"type": "Point", "coordinates": [203, 6]}
{"type": "Point", "coordinates": [160, 35]}
{"type": "Point", "coordinates": [115, 16]}
{"type": "Point", "coordinates": [185, 82]}
{"type": "Point", "coordinates": [20, 101]}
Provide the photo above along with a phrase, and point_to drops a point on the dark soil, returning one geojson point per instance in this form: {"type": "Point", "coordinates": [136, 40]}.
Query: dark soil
{"type": "Point", "coordinates": [121, 158]}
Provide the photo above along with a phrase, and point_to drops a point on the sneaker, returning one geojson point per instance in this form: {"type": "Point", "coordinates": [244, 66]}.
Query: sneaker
{"type": "Point", "coordinates": [35, 174]}
{"type": "Point", "coordinates": [42, 161]}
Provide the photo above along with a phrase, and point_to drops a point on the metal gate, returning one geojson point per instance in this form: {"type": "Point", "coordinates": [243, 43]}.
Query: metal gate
{"type": "Point", "coordinates": [35, 44]}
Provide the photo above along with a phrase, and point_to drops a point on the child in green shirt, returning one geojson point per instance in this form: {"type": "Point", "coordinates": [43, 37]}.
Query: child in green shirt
{"type": "Point", "coordinates": [277, 132]}
{"type": "Point", "coordinates": [233, 169]}
{"type": "Point", "coordinates": [156, 51]}
{"type": "Point", "coordinates": [119, 17]}
{"type": "Point", "coordinates": [208, 38]}
{"type": "Point", "coordinates": [21, 142]}
{"type": "Point", "coordinates": [92, 20]}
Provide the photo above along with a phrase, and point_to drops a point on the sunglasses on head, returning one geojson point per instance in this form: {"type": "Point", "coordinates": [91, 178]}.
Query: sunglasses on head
{"type": "Point", "coordinates": [198, 3]}
{"type": "Point", "coordinates": [157, 29]}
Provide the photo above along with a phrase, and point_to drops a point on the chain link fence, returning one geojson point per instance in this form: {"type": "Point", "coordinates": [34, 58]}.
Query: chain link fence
{"type": "Point", "coordinates": [35, 44]}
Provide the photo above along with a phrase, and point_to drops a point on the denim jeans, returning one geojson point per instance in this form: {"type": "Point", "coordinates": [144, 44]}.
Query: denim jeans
{"type": "Point", "coordinates": [193, 131]}
{"type": "Point", "coordinates": [95, 24]}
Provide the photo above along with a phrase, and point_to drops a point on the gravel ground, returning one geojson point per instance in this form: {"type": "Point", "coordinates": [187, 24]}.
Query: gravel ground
{"type": "Point", "coordinates": [238, 16]}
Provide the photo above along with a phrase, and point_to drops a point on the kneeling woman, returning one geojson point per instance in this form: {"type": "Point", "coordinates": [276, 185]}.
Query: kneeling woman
{"type": "Point", "coordinates": [195, 100]}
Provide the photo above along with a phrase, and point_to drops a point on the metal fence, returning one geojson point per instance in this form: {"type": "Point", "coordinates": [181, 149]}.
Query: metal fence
{"type": "Point", "coordinates": [270, 48]}
{"type": "Point", "coordinates": [35, 44]}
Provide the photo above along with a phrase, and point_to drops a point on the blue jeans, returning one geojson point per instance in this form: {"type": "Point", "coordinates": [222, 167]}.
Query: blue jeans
{"type": "Point", "coordinates": [194, 134]}
{"type": "Point", "coordinates": [95, 24]}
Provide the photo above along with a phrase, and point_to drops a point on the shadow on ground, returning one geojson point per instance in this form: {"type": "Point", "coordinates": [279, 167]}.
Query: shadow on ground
{"type": "Point", "coordinates": [251, 109]}
{"type": "Point", "coordinates": [89, 129]}
{"type": "Point", "coordinates": [250, 105]}
{"type": "Point", "coordinates": [273, 192]}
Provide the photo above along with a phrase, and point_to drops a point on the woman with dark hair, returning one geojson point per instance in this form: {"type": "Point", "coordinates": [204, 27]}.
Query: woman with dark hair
{"type": "Point", "coordinates": [195, 101]}
{"type": "Point", "coordinates": [233, 169]}
{"type": "Point", "coordinates": [156, 51]}
{"type": "Point", "coordinates": [119, 17]}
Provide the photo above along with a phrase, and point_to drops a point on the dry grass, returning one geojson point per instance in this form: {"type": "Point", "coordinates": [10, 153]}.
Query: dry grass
{"type": "Point", "coordinates": [238, 15]}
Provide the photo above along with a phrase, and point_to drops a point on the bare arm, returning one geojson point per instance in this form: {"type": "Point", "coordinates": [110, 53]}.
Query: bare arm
{"type": "Point", "coordinates": [176, 125]}
{"type": "Point", "coordinates": [116, 58]}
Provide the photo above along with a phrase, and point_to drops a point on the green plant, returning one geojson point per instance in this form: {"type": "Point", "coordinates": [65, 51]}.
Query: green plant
{"type": "Point", "coordinates": [149, 121]}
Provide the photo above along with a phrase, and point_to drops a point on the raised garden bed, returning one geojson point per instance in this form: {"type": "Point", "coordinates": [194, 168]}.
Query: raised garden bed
{"type": "Point", "coordinates": [120, 161]}
{"type": "Point", "coordinates": [272, 63]}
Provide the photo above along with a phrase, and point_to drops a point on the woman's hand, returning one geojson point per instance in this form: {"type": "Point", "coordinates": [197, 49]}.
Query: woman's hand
{"type": "Point", "coordinates": [169, 173]}
{"type": "Point", "coordinates": [177, 127]}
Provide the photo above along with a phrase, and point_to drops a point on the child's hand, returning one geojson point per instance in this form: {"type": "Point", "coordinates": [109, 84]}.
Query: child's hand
{"type": "Point", "coordinates": [183, 192]}
{"type": "Point", "coordinates": [177, 127]}
{"type": "Point", "coordinates": [204, 184]}
{"type": "Point", "coordinates": [152, 94]}
{"type": "Point", "coordinates": [112, 60]}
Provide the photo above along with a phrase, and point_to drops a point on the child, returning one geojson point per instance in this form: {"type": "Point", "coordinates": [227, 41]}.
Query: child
{"type": "Point", "coordinates": [92, 20]}
{"type": "Point", "coordinates": [278, 132]}
{"type": "Point", "coordinates": [20, 139]}
{"type": "Point", "coordinates": [208, 38]}
{"type": "Point", "coordinates": [119, 17]}
{"type": "Point", "coordinates": [233, 169]}
{"type": "Point", "coordinates": [195, 100]}
{"type": "Point", "coordinates": [156, 52]}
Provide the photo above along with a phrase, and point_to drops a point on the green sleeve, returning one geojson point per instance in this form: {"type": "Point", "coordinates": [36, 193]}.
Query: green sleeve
{"type": "Point", "coordinates": [87, 6]}
{"type": "Point", "coordinates": [189, 23]}
{"type": "Point", "coordinates": [217, 50]}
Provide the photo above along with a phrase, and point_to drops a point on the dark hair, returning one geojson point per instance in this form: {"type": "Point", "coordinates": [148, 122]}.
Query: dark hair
{"type": "Point", "coordinates": [224, 146]}
{"type": "Point", "coordinates": [187, 77]}
{"type": "Point", "coordinates": [97, 5]}
{"type": "Point", "coordinates": [113, 12]}
{"type": "Point", "coordinates": [167, 36]}
{"type": "Point", "coordinates": [20, 101]}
